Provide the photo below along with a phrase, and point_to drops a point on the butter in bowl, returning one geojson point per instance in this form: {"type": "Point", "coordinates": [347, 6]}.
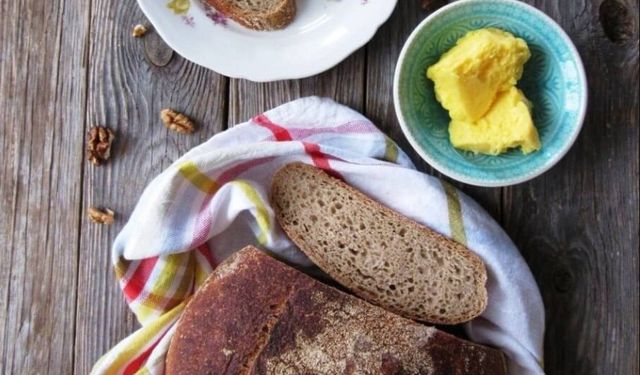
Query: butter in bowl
{"type": "Point", "coordinates": [490, 92]}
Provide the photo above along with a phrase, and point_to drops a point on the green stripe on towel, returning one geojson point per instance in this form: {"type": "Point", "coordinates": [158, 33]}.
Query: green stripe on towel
{"type": "Point", "coordinates": [456, 223]}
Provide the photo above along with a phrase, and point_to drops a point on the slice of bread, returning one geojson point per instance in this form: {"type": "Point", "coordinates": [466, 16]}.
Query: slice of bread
{"type": "Point", "coordinates": [258, 14]}
{"type": "Point", "coordinates": [378, 254]}
{"type": "Point", "coordinates": [256, 315]}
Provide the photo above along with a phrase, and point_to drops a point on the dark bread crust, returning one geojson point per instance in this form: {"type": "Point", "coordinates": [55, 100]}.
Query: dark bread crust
{"type": "Point", "coordinates": [256, 315]}
{"type": "Point", "coordinates": [223, 322]}
{"type": "Point", "coordinates": [271, 21]}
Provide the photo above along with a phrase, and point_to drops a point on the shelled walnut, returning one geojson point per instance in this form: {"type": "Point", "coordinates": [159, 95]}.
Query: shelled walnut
{"type": "Point", "coordinates": [176, 121]}
{"type": "Point", "coordinates": [99, 144]}
{"type": "Point", "coordinates": [100, 216]}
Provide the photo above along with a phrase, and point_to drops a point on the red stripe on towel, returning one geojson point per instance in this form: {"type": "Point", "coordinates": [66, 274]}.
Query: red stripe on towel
{"type": "Point", "coordinates": [354, 127]}
{"type": "Point", "coordinates": [282, 134]}
{"type": "Point", "coordinates": [137, 281]}
{"type": "Point", "coordinates": [278, 131]}
{"type": "Point", "coordinates": [320, 159]}
{"type": "Point", "coordinates": [238, 169]}
{"type": "Point", "coordinates": [204, 220]}
{"type": "Point", "coordinates": [207, 254]}
{"type": "Point", "coordinates": [137, 363]}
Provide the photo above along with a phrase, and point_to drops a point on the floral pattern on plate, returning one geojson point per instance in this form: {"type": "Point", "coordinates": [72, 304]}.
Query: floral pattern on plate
{"type": "Point", "coordinates": [181, 7]}
{"type": "Point", "coordinates": [322, 34]}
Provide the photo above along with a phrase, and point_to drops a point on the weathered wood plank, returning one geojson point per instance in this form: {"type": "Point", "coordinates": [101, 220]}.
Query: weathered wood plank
{"type": "Point", "coordinates": [577, 225]}
{"type": "Point", "coordinates": [42, 96]}
{"type": "Point", "coordinates": [130, 81]}
{"type": "Point", "coordinates": [344, 83]}
{"type": "Point", "coordinates": [382, 55]}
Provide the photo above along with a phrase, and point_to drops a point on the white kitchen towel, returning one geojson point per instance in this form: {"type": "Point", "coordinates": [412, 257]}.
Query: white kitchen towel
{"type": "Point", "coordinates": [213, 201]}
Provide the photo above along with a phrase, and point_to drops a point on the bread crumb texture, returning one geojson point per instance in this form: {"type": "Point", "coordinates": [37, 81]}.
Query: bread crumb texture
{"type": "Point", "coordinates": [381, 256]}
{"type": "Point", "coordinates": [258, 14]}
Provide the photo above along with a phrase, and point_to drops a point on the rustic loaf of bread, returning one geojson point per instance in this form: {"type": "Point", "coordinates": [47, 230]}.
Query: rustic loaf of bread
{"type": "Point", "coordinates": [378, 254]}
{"type": "Point", "coordinates": [258, 14]}
{"type": "Point", "coordinates": [256, 315]}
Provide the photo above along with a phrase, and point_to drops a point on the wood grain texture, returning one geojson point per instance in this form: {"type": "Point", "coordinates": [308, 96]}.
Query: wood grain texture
{"type": "Point", "coordinates": [577, 225]}
{"type": "Point", "coordinates": [344, 83]}
{"type": "Point", "coordinates": [382, 54]}
{"type": "Point", "coordinates": [130, 81]}
{"type": "Point", "coordinates": [65, 66]}
{"type": "Point", "coordinates": [42, 98]}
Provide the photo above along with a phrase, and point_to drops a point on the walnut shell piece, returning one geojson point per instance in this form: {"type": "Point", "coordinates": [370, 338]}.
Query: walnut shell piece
{"type": "Point", "coordinates": [139, 31]}
{"type": "Point", "coordinates": [101, 216]}
{"type": "Point", "coordinates": [99, 144]}
{"type": "Point", "coordinates": [177, 121]}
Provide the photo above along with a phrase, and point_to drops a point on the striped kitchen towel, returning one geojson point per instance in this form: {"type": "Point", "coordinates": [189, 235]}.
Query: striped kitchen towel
{"type": "Point", "coordinates": [213, 201]}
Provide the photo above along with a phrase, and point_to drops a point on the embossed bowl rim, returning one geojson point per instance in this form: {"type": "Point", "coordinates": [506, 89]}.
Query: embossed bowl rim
{"type": "Point", "coordinates": [470, 179]}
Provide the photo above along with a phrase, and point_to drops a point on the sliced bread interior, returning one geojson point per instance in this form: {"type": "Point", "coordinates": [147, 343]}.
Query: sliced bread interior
{"type": "Point", "coordinates": [258, 14]}
{"type": "Point", "coordinates": [377, 253]}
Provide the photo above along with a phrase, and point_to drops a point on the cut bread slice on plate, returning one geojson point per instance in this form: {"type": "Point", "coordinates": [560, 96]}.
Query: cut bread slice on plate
{"type": "Point", "coordinates": [258, 14]}
{"type": "Point", "coordinates": [256, 315]}
{"type": "Point", "coordinates": [375, 252]}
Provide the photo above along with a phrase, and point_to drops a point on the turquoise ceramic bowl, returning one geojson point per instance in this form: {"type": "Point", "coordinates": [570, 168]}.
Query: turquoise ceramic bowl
{"type": "Point", "coordinates": [553, 79]}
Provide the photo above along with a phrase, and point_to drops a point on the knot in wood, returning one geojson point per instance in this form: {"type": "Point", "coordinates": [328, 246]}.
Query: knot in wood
{"type": "Point", "coordinates": [617, 21]}
{"type": "Point", "coordinates": [563, 280]}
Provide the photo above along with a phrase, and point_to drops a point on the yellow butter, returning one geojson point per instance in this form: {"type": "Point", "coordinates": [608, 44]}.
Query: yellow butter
{"type": "Point", "coordinates": [508, 124]}
{"type": "Point", "coordinates": [468, 77]}
{"type": "Point", "coordinates": [475, 81]}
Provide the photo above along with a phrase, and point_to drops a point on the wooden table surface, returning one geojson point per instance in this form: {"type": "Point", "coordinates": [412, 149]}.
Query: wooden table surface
{"type": "Point", "coordinates": [67, 65]}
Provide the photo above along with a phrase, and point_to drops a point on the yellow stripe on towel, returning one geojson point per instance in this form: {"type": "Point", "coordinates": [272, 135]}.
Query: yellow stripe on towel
{"type": "Point", "coordinates": [390, 150]}
{"type": "Point", "coordinates": [134, 345]}
{"type": "Point", "coordinates": [189, 170]}
{"type": "Point", "coordinates": [456, 223]}
{"type": "Point", "coordinates": [172, 283]}
{"type": "Point", "coordinates": [145, 313]}
{"type": "Point", "coordinates": [262, 215]}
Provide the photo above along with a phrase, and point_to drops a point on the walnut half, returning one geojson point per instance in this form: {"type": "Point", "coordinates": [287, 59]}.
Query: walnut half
{"type": "Point", "coordinates": [177, 121]}
{"type": "Point", "coordinates": [99, 144]}
{"type": "Point", "coordinates": [99, 216]}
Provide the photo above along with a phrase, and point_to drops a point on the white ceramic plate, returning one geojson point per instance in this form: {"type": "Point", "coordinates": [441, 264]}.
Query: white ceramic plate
{"type": "Point", "coordinates": [323, 33]}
